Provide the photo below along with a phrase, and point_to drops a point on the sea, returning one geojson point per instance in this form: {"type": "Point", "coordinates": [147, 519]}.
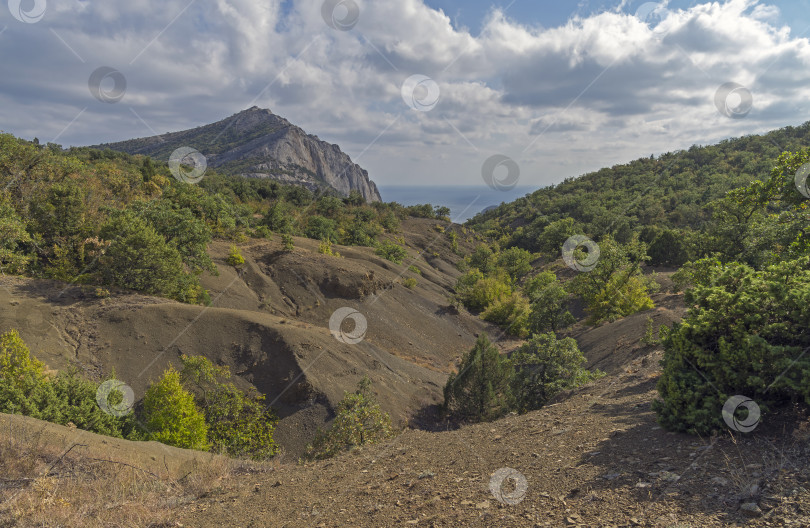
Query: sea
{"type": "Point", "coordinates": [464, 201]}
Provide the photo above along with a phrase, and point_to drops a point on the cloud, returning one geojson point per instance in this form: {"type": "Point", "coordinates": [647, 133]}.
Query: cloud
{"type": "Point", "coordinates": [600, 89]}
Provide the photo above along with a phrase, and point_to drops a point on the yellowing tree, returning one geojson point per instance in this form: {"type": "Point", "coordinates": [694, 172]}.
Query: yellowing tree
{"type": "Point", "coordinates": [172, 416]}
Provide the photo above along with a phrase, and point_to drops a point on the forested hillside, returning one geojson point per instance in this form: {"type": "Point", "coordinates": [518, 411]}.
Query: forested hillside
{"type": "Point", "coordinates": [113, 219]}
{"type": "Point", "coordinates": [674, 191]}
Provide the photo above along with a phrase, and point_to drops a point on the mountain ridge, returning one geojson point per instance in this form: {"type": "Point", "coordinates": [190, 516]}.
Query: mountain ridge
{"type": "Point", "coordinates": [260, 144]}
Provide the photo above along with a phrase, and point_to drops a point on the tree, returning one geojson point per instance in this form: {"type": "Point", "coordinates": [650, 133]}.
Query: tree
{"type": "Point", "coordinates": [480, 389]}
{"type": "Point", "coordinates": [24, 387]}
{"type": "Point", "coordinates": [321, 228]}
{"type": "Point", "coordinates": [238, 423]}
{"type": "Point", "coordinates": [13, 236]}
{"type": "Point", "coordinates": [182, 230]}
{"type": "Point", "coordinates": [139, 258]}
{"type": "Point", "coordinates": [543, 367]}
{"type": "Point", "coordinates": [235, 257]}
{"type": "Point", "coordinates": [668, 249]}
{"type": "Point", "coordinates": [279, 217]}
{"type": "Point", "coordinates": [516, 261]}
{"type": "Point", "coordinates": [483, 259]}
{"type": "Point", "coordinates": [549, 304]}
{"type": "Point", "coordinates": [744, 333]}
{"type": "Point", "coordinates": [359, 421]}
{"type": "Point", "coordinates": [615, 287]}
{"type": "Point", "coordinates": [171, 415]}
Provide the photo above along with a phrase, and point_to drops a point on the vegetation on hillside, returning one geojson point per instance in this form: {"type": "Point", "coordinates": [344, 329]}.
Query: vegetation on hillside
{"type": "Point", "coordinates": [194, 408]}
{"type": "Point", "coordinates": [489, 384]}
{"type": "Point", "coordinates": [108, 218]}
{"type": "Point", "coordinates": [731, 216]}
{"type": "Point", "coordinates": [359, 422]}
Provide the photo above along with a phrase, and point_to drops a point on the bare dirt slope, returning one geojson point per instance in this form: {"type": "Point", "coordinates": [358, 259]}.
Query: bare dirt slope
{"type": "Point", "coordinates": [269, 322]}
{"type": "Point", "coordinates": [595, 457]}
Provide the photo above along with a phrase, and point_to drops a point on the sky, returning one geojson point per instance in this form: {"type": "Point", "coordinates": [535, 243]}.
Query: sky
{"type": "Point", "coordinates": [418, 92]}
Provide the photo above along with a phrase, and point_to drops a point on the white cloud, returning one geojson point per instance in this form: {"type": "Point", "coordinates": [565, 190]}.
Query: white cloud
{"type": "Point", "coordinates": [598, 90]}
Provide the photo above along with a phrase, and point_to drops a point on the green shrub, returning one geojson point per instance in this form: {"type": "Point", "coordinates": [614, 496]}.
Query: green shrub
{"type": "Point", "coordinates": [414, 269]}
{"type": "Point", "coordinates": [544, 366]}
{"type": "Point", "coordinates": [516, 261]}
{"type": "Point", "coordinates": [26, 390]}
{"type": "Point", "coordinates": [287, 242]}
{"type": "Point", "coordinates": [325, 248]}
{"type": "Point", "coordinates": [511, 313]}
{"type": "Point", "coordinates": [24, 387]}
{"type": "Point", "coordinates": [279, 217]}
{"type": "Point", "coordinates": [181, 229]}
{"type": "Point", "coordinates": [321, 228]}
{"type": "Point", "coordinates": [668, 249]}
{"type": "Point", "coordinates": [409, 283]}
{"type": "Point", "coordinates": [359, 421]}
{"type": "Point", "coordinates": [480, 389]}
{"type": "Point", "coordinates": [477, 292]}
{"type": "Point", "coordinates": [171, 415]}
{"type": "Point", "coordinates": [139, 258]}
{"type": "Point", "coordinates": [392, 252]}
{"type": "Point", "coordinates": [262, 231]}
{"type": "Point", "coordinates": [238, 423]}
{"type": "Point", "coordinates": [484, 259]}
{"type": "Point", "coordinates": [77, 403]}
{"type": "Point", "coordinates": [235, 257]}
{"type": "Point", "coordinates": [745, 333]}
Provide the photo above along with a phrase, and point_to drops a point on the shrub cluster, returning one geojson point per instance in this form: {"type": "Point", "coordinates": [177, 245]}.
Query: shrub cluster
{"type": "Point", "coordinates": [489, 384]}
{"type": "Point", "coordinates": [195, 408]}
{"type": "Point", "coordinates": [359, 421]}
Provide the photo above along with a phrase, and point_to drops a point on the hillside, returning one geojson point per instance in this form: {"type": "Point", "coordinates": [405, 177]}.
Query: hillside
{"type": "Point", "coordinates": [269, 323]}
{"type": "Point", "coordinates": [645, 196]}
{"type": "Point", "coordinates": [259, 144]}
{"type": "Point", "coordinates": [593, 458]}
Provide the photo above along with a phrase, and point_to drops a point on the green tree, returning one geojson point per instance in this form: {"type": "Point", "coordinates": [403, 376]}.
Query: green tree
{"type": "Point", "coordinates": [171, 415]}
{"type": "Point", "coordinates": [321, 228]}
{"type": "Point", "coordinates": [516, 261]}
{"type": "Point", "coordinates": [615, 287]}
{"type": "Point", "coordinates": [182, 230]}
{"type": "Point", "coordinates": [744, 333]}
{"type": "Point", "coordinates": [24, 387]}
{"type": "Point", "coordinates": [139, 258]}
{"type": "Point", "coordinates": [359, 421]}
{"type": "Point", "coordinates": [545, 366]}
{"type": "Point", "coordinates": [13, 237]}
{"type": "Point", "coordinates": [279, 217]}
{"type": "Point", "coordinates": [238, 423]}
{"type": "Point", "coordinates": [235, 257]}
{"type": "Point", "coordinates": [480, 389]}
{"type": "Point", "coordinates": [483, 259]}
{"type": "Point", "coordinates": [549, 304]}
{"type": "Point", "coordinates": [668, 249]}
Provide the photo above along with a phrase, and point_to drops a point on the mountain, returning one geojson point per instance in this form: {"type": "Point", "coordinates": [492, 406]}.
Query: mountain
{"type": "Point", "coordinates": [258, 143]}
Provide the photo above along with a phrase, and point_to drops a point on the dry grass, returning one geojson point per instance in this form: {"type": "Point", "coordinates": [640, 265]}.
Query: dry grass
{"type": "Point", "coordinates": [44, 485]}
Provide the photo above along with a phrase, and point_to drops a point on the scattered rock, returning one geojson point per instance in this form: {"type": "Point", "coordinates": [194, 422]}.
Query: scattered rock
{"type": "Point", "coordinates": [750, 510]}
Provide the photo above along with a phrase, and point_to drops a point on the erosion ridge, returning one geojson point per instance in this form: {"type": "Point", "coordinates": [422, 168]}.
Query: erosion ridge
{"type": "Point", "coordinates": [269, 322]}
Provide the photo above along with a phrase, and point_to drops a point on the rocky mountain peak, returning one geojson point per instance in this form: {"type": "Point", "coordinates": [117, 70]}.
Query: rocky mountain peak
{"type": "Point", "coordinates": [260, 144]}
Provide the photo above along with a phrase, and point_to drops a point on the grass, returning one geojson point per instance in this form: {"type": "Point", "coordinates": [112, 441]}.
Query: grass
{"type": "Point", "coordinates": [43, 484]}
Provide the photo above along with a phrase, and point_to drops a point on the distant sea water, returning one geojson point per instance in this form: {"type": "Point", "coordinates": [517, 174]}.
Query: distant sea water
{"type": "Point", "coordinates": [464, 201]}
